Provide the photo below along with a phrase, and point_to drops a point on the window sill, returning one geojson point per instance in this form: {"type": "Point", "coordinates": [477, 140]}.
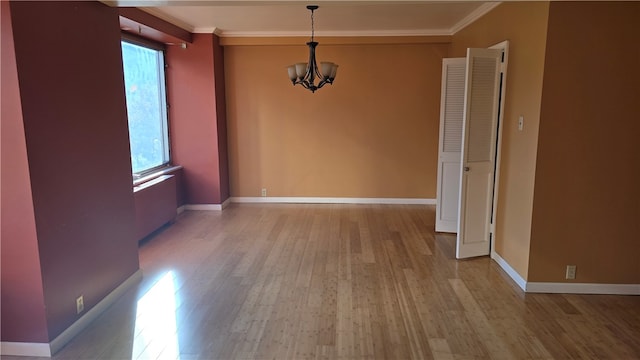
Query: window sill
{"type": "Point", "coordinates": [164, 171]}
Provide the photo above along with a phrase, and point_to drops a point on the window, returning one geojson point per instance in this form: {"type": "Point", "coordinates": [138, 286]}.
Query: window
{"type": "Point", "coordinates": [146, 106]}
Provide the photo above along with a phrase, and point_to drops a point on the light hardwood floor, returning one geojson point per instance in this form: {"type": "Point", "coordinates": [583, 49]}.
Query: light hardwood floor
{"type": "Point", "coordinates": [340, 282]}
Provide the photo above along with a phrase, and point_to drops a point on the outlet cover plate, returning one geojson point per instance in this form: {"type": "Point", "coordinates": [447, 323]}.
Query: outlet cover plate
{"type": "Point", "coordinates": [571, 272]}
{"type": "Point", "coordinates": [79, 304]}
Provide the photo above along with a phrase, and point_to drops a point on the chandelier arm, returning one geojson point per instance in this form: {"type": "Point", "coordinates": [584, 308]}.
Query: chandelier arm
{"type": "Point", "coordinates": [317, 71]}
{"type": "Point", "coordinates": [312, 68]}
{"type": "Point", "coordinates": [323, 82]}
{"type": "Point", "coordinates": [309, 86]}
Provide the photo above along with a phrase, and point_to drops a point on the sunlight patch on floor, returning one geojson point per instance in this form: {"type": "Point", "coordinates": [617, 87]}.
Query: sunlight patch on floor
{"type": "Point", "coordinates": [155, 331]}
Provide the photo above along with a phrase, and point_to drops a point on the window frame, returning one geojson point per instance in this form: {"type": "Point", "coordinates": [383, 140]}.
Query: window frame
{"type": "Point", "coordinates": [135, 40]}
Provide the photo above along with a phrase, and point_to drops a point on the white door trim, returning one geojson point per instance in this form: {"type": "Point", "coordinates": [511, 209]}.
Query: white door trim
{"type": "Point", "coordinates": [504, 46]}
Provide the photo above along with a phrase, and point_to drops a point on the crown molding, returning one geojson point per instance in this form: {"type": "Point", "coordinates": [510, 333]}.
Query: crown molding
{"type": "Point", "coordinates": [354, 33]}
{"type": "Point", "coordinates": [473, 16]}
{"type": "Point", "coordinates": [335, 40]}
{"type": "Point", "coordinates": [208, 30]}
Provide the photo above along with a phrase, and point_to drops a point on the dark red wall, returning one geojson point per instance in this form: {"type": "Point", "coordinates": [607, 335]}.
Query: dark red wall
{"type": "Point", "coordinates": [196, 119]}
{"type": "Point", "coordinates": [221, 115]}
{"type": "Point", "coordinates": [156, 204]}
{"type": "Point", "coordinates": [22, 300]}
{"type": "Point", "coordinates": [72, 92]}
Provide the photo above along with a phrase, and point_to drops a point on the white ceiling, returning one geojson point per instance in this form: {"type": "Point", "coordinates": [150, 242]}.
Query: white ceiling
{"type": "Point", "coordinates": [333, 18]}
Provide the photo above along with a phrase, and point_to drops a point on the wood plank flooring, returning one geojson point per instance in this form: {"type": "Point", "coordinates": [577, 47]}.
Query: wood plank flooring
{"type": "Point", "coordinates": [283, 281]}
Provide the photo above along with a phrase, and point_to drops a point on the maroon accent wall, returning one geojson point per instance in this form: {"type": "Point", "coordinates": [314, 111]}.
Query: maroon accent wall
{"type": "Point", "coordinates": [22, 298]}
{"type": "Point", "coordinates": [221, 114]}
{"type": "Point", "coordinates": [140, 23]}
{"type": "Point", "coordinates": [180, 192]}
{"type": "Point", "coordinates": [197, 119]}
{"type": "Point", "coordinates": [155, 203]}
{"type": "Point", "coordinates": [72, 91]}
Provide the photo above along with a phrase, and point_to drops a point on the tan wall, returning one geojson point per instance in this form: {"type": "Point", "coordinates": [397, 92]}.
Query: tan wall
{"type": "Point", "coordinates": [587, 193]}
{"type": "Point", "coordinates": [524, 24]}
{"type": "Point", "coordinates": [373, 133]}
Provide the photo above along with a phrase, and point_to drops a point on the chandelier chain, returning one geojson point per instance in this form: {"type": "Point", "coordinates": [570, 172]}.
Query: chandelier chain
{"type": "Point", "coordinates": [312, 26]}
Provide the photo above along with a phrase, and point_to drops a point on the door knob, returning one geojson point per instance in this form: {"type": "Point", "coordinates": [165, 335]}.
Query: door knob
{"type": "Point", "coordinates": [466, 168]}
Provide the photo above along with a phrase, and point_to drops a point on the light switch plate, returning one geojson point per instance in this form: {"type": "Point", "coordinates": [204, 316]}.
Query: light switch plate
{"type": "Point", "coordinates": [520, 123]}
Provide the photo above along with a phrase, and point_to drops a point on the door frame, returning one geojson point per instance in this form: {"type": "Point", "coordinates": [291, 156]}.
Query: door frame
{"type": "Point", "coordinates": [504, 46]}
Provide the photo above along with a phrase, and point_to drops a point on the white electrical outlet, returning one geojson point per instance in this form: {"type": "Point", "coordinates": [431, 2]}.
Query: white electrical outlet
{"type": "Point", "coordinates": [79, 304]}
{"type": "Point", "coordinates": [571, 272]}
{"type": "Point", "coordinates": [264, 192]}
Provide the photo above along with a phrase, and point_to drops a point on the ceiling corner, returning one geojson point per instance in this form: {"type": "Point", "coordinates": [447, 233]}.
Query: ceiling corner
{"type": "Point", "coordinates": [473, 16]}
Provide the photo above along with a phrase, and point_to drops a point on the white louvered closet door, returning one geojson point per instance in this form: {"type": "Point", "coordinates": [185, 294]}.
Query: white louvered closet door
{"type": "Point", "coordinates": [450, 144]}
{"type": "Point", "coordinates": [479, 131]}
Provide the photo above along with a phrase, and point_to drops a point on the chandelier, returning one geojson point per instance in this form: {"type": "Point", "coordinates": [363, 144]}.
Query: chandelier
{"type": "Point", "coordinates": [305, 74]}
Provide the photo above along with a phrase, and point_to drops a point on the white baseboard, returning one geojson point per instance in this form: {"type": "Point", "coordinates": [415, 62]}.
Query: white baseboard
{"type": "Point", "coordinates": [86, 319]}
{"type": "Point", "coordinates": [25, 349]}
{"type": "Point", "coordinates": [206, 207]}
{"type": "Point", "coordinates": [565, 288]}
{"type": "Point", "coordinates": [306, 200]}
{"type": "Point", "coordinates": [334, 200]}
{"type": "Point", "coordinates": [48, 349]}
{"type": "Point", "coordinates": [509, 270]}
{"type": "Point", "coordinates": [217, 207]}
{"type": "Point", "coordinates": [583, 288]}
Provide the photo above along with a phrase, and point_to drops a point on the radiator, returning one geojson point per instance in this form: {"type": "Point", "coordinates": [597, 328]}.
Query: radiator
{"type": "Point", "coordinates": [155, 203]}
